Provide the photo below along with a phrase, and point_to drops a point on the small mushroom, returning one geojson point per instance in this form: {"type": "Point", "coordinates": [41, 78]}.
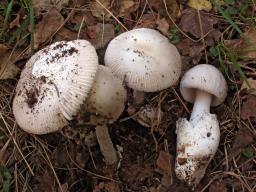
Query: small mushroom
{"type": "Point", "coordinates": [53, 86]}
{"type": "Point", "coordinates": [106, 103]}
{"type": "Point", "coordinates": [198, 138]}
{"type": "Point", "coordinates": [108, 96]}
{"type": "Point", "coordinates": [144, 59]}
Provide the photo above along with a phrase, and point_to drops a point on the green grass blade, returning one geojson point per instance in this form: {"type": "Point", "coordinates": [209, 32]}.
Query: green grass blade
{"type": "Point", "coordinates": [7, 17]}
{"type": "Point", "coordinates": [32, 26]}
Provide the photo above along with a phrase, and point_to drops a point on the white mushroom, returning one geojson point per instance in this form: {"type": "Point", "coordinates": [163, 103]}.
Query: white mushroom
{"type": "Point", "coordinates": [198, 139]}
{"type": "Point", "coordinates": [106, 103]}
{"type": "Point", "coordinates": [107, 97]}
{"type": "Point", "coordinates": [53, 85]}
{"type": "Point", "coordinates": [144, 59]}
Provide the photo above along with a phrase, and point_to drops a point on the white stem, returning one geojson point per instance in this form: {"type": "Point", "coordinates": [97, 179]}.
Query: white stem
{"type": "Point", "coordinates": [106, 145]}
{"type": "Point", "coordinates": [201, 105]}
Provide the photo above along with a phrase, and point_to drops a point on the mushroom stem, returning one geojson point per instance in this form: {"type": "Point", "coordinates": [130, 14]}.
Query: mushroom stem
{"type": "Point", "coordinates": [106, 145]}
{"type": "Point", "coordinates": [201, 105]}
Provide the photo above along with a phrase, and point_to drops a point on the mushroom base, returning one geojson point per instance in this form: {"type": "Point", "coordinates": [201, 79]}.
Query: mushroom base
{"type": "Point", "coordinates": [196, 146]}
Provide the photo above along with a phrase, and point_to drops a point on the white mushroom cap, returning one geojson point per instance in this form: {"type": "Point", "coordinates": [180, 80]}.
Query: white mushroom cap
{"type": "Point", "coordinates": [36, 110]}
{"type": "Point", "coordinates": [107, 97]}
{"type": "Point", "coordinates": [144, 59]}
{"type": "Point", "coordinates": [206, 78]}
{"type": "Point", "coordinates": [63, 70]}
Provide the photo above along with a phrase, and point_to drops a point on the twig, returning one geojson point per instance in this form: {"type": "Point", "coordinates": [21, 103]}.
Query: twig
{"type": "Point", "coordinates": [17, 146]}
{"type": "Point", "coordinates": [112, 14]}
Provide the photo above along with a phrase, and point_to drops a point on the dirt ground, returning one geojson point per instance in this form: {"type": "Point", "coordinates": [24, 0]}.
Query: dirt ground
{"type": "Point", "coordinates": [220, 33]}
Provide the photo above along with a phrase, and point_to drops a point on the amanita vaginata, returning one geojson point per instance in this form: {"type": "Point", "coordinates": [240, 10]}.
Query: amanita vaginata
{"type": "Point", "coordinates": [57, 81]}
{"type": "Point", "coordinates": [53, 86]}
{"type": "Point", "coordinates": [198, 138]}
{"type": "Point", "coordinates": [145, 61]}
{"type": "Point", "coordinates": [105, 104]}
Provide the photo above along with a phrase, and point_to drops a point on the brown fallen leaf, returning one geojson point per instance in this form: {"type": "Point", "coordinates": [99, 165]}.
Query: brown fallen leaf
{"type": "Point", "coordinates": [127, 7]}
{"type": "Point", "coordinates": [45, 182]}
{"type": "Point", "coordinates": [107, 187]}
{"type": "Point", "coordinates": [163, 162]}
{"type": "Point", "coordinates": [45, 5]}
{"type": "Point", "coordinates": [136, 172]}
{"type": "Point", "coordinates": [192, 49]}
{"type": "Point", "coordinates": [8, 70]}
{"type": "Point", "coordinates": [190, 23]}
{"type": "Point", "coordinates": [79, 16]}
{"type": "Point", "coordinates": [66, 34]}
{"type": "Point", "coordinates": [100, 34]}
{"type": "Point", "coordinates": [147, 20]}
{"type": "Point", "coordinates": [163, 26]}
{"type": "Point", "coordinates": [98, 9]}
{"type": "Point", "coordinates": [171, 5]}
{"type": "Point", "coordinates": [242, 139]}
{"type": "Point", "coordinates": [249, 107]}
{"type": "Point", "coordinates": [250, 89]}
{"type": "Point", "coordinates": [245, 46]}
{"type": "Point", "coordinates": [218, 186]}
{"type": "Point", "coordinates": [47, 27]}
{"type": "Point", "coordinates": [147, 116]}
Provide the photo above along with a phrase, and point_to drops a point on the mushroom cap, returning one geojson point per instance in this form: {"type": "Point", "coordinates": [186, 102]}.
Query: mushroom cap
{"type": "Point", "coordinates": [107, 97]}
{"type": "Point", "coordinates": [36, 110]}
{"type": "Point", "coordinates": [144, 59]}
{"type": "Point", "coordinates": [206, 78]}
{"type": "Point", "coordinates": [60, 76]}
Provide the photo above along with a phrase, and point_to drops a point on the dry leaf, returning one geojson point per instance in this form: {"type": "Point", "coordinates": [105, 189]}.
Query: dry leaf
{"type": "Point", "coordinates": [248, 44]}
{"type": "Point", "coordinates": [87, 18]}
{"type": "Point", "coordinates": [245, 46]}
{"type": "Point", "coordinates": [136, 173]}
{"type": "Point", "coordinates": [126, 7]}
{"type": "Point", "coordinates": [243, 138]}
{"type": "Point", "coordinates": [98, 9]}
{"type": "Point", "coordinates": [66, 34]}
{"type": "Point", "coordinates": [252, 88]}
{"type": "Point", "coordinates": [200, 4]}
{"type": "Point", "coordinates": [147, 20]}
{"type": "Point", "coordinates": [249, 107]}
{"type": "Point", "coordinates": [163, 162]}
{"type": "Point", "coordinates": [191, 49]}
{"type": "Point", "coordinates": [8, 70]}
{"type": "Point", "coordinates": [163, 26]}
{"type": "Point", "coordinates": [46, 182]}
{"type": "Point", "coordinates": [190, 22]}
{"type": "Point", "coordinates": [107, 187]}
{"type": "Point", "coordinates": [171, 5]}
{"type": "Point", "coordinates": [47, 27]}
{"type": "Point", "coordinates": [100, 34]}
{"type": "Point", "coordinates": [45, 5]}
{"type": "Point", "coordinates": [218, 186]}
{"type": "Point", "coordinates": [147, 116]}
